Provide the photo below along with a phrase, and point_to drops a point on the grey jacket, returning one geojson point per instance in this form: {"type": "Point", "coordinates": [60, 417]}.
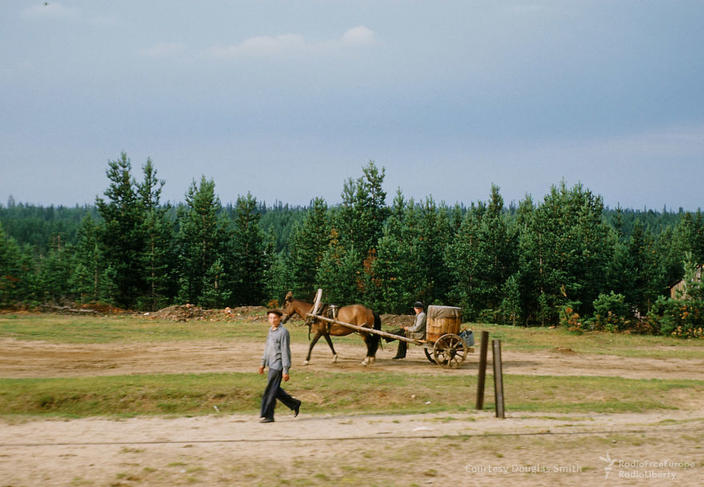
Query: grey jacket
{"type": "Point", "coordinates": [418, 328]}
{"type": "Point", "coordinates": [277, 351]}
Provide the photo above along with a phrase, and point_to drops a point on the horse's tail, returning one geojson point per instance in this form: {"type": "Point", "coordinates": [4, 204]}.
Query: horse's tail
{"type": "Point", "coordinates": [374, 338]}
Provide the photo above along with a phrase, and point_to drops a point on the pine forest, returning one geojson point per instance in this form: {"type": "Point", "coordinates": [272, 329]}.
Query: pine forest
{"type": "Point", "coordinates": [563, 260]}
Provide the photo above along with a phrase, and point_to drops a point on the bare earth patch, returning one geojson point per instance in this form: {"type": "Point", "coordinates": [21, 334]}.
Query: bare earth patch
{"type": "Point", "coordinates": [19, 359]}
{"type": "Point", "coordinates": [427, 449]}
{"type": "Point", "coordinates": [655, 448]}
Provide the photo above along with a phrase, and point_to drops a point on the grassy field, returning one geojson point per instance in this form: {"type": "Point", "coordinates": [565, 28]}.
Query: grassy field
{"type": "Point", "coordinates": [365, 391]}
{"type": "Point", "coordinates": [136, 329]}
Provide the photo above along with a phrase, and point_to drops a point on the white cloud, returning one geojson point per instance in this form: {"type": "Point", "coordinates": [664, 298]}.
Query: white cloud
{"type": "Point", "coordinates": [292, 43]}
{"type": "Point", "coordinates": [359, 36]}
{"type": "Point", "coordinates": [261, 45]}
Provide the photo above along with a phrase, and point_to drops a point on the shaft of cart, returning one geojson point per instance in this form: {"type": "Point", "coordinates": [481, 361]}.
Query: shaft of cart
{"type": "Point", "coordinates": [368, 330]}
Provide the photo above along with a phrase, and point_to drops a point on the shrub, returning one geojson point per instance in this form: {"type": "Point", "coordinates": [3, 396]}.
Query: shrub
{"type": "Point", "coordinates": [678, 318]}
{"type": "Point", "coordinates": [611, 313]}
{"type": "Point", "coordinates": [570, 319]}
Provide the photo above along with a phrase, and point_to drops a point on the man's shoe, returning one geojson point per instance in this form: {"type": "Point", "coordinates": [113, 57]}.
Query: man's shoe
{"type": "Point", "coordinates": [297, 409]}
{"type": "Point", "coordinates": [266, 420]}
{"type": "Point", "coordinates": [397, 357]}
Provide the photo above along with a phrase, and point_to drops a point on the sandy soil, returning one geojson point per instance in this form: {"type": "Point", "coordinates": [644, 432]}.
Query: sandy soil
{"type": "Point", "coordinates": [662, 448]}
{"type": "Point", "coordinates": [465, 449]}
{"type": "Point", "coordinates": [42, 359]}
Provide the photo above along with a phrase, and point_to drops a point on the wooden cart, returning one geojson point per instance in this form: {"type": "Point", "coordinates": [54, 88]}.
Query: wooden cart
{"type": "Point", "coordinates": [444, 344]}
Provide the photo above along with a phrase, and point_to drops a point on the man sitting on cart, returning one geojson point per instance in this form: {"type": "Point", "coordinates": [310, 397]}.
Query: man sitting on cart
{"type": "Point", "coordinates": [415, 331]}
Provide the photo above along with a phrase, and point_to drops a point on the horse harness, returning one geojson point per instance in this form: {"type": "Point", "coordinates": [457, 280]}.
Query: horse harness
{"type": "Point", "coordinates": [330, 311]}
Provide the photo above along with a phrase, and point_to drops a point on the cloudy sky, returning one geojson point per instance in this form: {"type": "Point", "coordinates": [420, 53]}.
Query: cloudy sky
{"type": "Point", "coordinates": [288, 99]}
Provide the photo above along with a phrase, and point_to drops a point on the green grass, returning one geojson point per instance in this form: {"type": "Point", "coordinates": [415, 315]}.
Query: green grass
{"type": "Point", "coordinates": [325, 392]}
{"type": "Point", "coordinates": [619, 344]}
{"type": "Point", "coordinates": [131, 329]}
{"type": "Point", "coordinates": [365, 391]}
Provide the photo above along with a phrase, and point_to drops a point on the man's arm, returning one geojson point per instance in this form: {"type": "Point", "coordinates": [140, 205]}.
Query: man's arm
{"type": "Point", "coordinates": [419, 324]}
{"type": "Point", "coordinates": [285, 352]}
{"type": "Point", "coordinates": [266, 349]}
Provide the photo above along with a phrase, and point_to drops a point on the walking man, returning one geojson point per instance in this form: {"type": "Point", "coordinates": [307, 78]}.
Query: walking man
{"type": "Point", "coordinates": [277, 356]}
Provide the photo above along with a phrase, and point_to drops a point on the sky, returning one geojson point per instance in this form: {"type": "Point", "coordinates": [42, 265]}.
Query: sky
{"type": "Point", "coordinates": [287, 100]}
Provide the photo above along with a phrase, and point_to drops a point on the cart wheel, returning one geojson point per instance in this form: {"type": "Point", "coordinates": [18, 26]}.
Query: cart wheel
{"type": "Point", "coordinates": [429, 356]}
{"type": "Point", "coordinates": [450, 350]}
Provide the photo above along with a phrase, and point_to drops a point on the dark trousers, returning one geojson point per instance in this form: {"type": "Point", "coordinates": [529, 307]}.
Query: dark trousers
{"type": "Point", "coordinates": [273, 392]}
{"type": "Point", "coordinates": [402, 346]}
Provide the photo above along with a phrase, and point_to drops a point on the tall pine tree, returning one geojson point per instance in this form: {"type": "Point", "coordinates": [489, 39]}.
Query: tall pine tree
{"type": "Point", "coordinates": [158, 230]}
{"type": "Point", "coordinates": [201, 239]}
{"type": "Point", "coordinates": [309, 241]}
{"type": "Point", "coordinates": [121, 235]}
{"type": "Point", "coordinates": [249, 257]}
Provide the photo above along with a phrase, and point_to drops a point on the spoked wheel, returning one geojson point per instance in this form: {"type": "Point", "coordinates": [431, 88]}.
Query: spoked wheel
{"type": "Point", "coordinates": [429, 356]}
{"type": "Point", "coordinates": [450, 350]}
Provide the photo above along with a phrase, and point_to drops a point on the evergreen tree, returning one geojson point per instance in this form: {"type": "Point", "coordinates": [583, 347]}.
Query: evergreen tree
{"type": "Point", "coordinates": [250, 257]}
{"type": "Point", "coordinates": [511, 303]}
{"type": "Point", "coordinates": [88, 279]}
{"type": "Point", "coordinates": [309, 241]}
{"type": "Point", "coordinates": [359, 224]}
{"type": "Point", "coordinates": [564, 250]}
{"type": "Point", "coordinates": [55, 273]}
{"type": "Point", "coordinates": [201, 239]}
{"type": "Point", "coordinates": [13, 278]}
{"type": "Point", "coordinates": [340, 273]}
{"type": "Point", "coordinates": [158, 232]}
{"type": "Point", "coordinates": [643, 282]}
{"type": "Point", "coordinates": [121, 235]}
{"type": "Point", "coordinates": [277, 280]}
{"type": "Point", "coordinates": [434, 234]}
{"type": "Point", "coordinates": [213, 293]}
{"type": "Point", "coordinates": [483, 256]}
{"type": "Point", "coordinates": [363, 210]}
{"type": "Point", "coordinates": [395, 285]}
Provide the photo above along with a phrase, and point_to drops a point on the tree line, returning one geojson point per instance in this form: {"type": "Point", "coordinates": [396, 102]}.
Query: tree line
{"type": "Point", "coordinates": [564, 259]}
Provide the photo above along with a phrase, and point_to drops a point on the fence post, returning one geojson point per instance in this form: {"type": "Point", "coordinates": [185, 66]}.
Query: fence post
{"type": "Point", "coordinates": [481, 377]}
{"type": "Point", "coordinates": [498, 379]}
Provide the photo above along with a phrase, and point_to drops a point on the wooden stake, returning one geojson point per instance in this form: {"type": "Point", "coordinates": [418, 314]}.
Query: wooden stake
{"type": "Point", "coordinates": [481, 377]}
{"type": "Point", "coordinates": [498, 380]}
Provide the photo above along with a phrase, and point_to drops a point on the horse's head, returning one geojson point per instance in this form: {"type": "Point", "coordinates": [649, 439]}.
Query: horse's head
{"type": "Point", "coordinates": [289, 309]}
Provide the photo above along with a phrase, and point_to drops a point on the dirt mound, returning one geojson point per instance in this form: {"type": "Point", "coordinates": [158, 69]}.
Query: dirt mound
{"type": "Point", "coordinates": [187, 312]}
{"type": "Point", "coordinates": [396, 321]}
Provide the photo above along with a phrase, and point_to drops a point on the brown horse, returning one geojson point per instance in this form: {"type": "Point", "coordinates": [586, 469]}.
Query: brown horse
{"type": "Point", "coordinates": [355, 314]}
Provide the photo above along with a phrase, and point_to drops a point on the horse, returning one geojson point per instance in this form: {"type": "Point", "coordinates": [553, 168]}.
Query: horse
{"type": "Point", "coordinates": [355, 314]}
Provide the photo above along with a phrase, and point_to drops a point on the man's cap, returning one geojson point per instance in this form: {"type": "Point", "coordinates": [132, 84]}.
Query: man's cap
{"type": "Point", "coordinates": [275, 311]}
{"type": "Point", "coordinates": [418, 304]}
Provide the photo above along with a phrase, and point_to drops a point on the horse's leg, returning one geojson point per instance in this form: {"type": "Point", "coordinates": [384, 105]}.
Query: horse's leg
{"type": "Point", "coordinates": [369, 359]}
{"type": "Point", "coordinates": [332, 349]}
{"type": "Point", "coordinates": [312, 344]}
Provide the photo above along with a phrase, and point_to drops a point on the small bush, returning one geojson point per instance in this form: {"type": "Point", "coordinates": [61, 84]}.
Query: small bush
{"type": "Point", "coordinates": [678, 318]}
{"type": "Point", "coordinates": [570, 319]}
{"type": "Point", "coordinates": [611, 313]}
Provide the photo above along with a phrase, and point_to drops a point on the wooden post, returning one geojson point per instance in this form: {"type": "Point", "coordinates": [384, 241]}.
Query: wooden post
{"type": "Point", "coordinates": [481, 377]}
{"type": "Point", "coordinates": [498, 380]}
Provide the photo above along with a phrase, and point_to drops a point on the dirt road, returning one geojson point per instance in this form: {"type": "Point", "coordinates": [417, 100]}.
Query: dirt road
{"type": "Point", "coordinates": [429, 449]}
{"type": "Point", "coordinates": [42, 359]}
{"type": "Point", "coordinates": [663, 448]}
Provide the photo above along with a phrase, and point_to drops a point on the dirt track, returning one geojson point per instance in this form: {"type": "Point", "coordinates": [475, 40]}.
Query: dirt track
{"type": "Point", "coordinates": [464, 449]}
{"type": "Point", "coordinates": [42, 359]}
{"type": "Point", "coordinates": [428, 449]}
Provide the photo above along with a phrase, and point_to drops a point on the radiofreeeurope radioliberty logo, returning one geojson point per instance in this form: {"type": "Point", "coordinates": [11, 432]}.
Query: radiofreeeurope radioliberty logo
{"type": "Point", "coordinates": [665, 469]}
